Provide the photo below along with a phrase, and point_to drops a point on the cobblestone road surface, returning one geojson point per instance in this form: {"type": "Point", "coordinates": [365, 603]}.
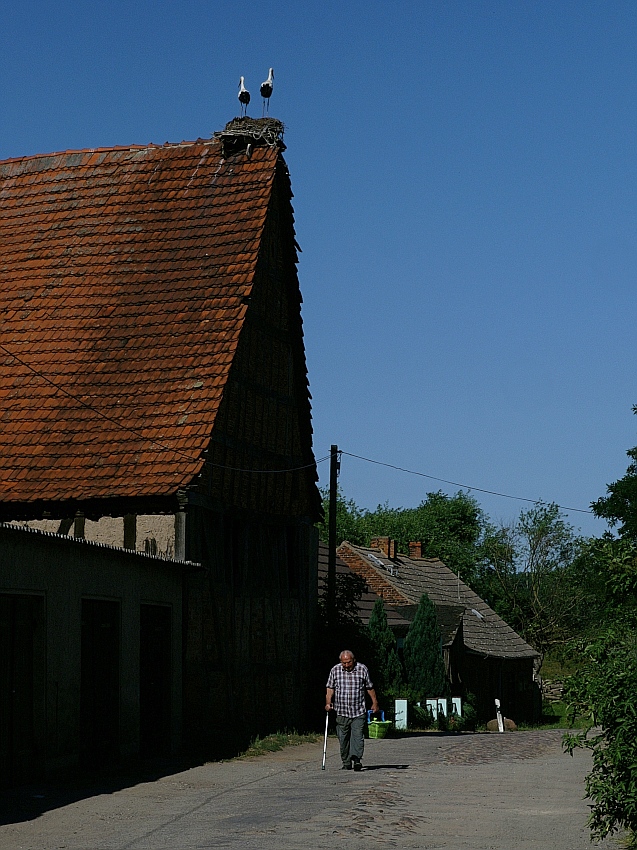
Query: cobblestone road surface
{"type": "Point", "coordinates": [516, 791]}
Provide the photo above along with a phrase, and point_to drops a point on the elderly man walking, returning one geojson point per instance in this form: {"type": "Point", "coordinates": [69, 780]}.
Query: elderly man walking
{"type": "Point", "coordinates": [346, 685]}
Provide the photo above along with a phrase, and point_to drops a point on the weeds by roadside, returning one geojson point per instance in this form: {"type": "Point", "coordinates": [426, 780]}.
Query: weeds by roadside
{"type": "Point", "coordinates": [555, 716]}
{"type": "Point", "coordinates": [272, 743]}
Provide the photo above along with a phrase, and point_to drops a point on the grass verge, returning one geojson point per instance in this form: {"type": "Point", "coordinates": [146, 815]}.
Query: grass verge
{"type": "Point", "coordinates": [277, 741]}
{"type": "Point", "coordinates": [554, 716]}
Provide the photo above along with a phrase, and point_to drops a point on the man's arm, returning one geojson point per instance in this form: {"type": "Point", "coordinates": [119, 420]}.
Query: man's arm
{"type": "Point", "coordinates": [328, 698]}
{"type": "Point", "coordinates": [372, 696]}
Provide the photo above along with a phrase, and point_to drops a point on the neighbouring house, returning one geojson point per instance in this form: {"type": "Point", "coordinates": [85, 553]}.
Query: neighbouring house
{"type": "Point", "coordinates": [398, 622]}
{"type": "Point", "coordinates": [483, 655]}
{"type": "Point", "coordinates": [155, 398]}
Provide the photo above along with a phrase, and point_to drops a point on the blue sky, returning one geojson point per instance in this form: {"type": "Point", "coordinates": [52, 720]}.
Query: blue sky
{"type": "Point", "coordinates": [465, 181]}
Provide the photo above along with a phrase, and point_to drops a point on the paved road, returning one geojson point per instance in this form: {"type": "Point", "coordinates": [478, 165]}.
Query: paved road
{"type": "Point", "coordinates": [515, 791]}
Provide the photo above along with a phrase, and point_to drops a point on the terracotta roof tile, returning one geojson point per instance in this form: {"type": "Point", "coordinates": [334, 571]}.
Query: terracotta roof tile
{"type": "Point", "coordinates": [123, 272]}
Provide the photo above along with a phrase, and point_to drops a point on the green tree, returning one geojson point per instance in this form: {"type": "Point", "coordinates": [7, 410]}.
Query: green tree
{"type": "Point", "coordinates": [449, 528]}
{"type": "Point", "coordinates": [388, 671]}
{"type": "Point", "coordinates": [344, 631]}
{"type": "Point", "coordinates": [424, 665]}
{"type": "Point", "coordinates": [607, 571]}
{"type": "Point", "coordinates": [528, 575]}
{"type": "Point", "coordinates": [350, 520]}
{"type": "Point", "coordinates": [604, 687]}
{"type": "Point", "coordinates": [619, 507]}
{"type": "Point", "coordinates": [603, 691]}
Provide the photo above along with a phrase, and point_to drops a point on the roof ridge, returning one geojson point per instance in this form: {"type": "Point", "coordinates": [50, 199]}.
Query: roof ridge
{"type": "Point", "coordinates": [111, 148]}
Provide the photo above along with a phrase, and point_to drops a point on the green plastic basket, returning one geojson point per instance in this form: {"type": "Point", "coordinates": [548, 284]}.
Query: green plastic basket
{"type": "Point", "coordinates": [378, 728]}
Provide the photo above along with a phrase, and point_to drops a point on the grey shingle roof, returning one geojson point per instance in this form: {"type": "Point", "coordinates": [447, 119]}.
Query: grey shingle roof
{"type": "Point", "coordinates": [484, 632]}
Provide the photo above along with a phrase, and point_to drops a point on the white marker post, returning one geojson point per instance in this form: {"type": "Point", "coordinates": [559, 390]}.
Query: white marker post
{"type": "Point", "coordinates": [498, 714]}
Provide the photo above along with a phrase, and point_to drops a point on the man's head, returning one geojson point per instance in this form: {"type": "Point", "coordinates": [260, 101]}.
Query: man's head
{"type": "Point", "coordinates": [347, 659]}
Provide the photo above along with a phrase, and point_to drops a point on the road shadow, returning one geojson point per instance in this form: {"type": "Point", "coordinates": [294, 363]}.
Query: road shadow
{"type": "Point", "coordinates": [385, 767]}
{"type": "Point", "coordinates": [28, 802]}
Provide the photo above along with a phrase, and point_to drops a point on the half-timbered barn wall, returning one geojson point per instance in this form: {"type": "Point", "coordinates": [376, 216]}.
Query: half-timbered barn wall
{"type": "Point", "coordinates": [250, 617]}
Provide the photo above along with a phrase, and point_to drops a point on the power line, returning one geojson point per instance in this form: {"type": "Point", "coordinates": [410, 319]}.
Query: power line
{"type": "Point", "coordinates": [140, 434]}
{"type": "Point", "coordinates": [462, 486]}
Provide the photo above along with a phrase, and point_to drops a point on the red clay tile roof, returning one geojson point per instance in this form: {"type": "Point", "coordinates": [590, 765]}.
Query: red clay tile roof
{"type": "Point", "coordinates": [124, 274]}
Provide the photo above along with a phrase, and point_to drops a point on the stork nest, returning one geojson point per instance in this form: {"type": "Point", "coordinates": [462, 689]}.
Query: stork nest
{"type": "Point", "coordinates": [256, 131]}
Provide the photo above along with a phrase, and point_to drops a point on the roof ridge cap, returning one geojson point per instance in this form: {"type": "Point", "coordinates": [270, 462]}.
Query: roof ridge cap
{"type": "Point", "coordinates": [109, 148]}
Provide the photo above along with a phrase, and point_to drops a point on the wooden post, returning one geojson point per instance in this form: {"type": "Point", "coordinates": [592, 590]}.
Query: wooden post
{"type": "Point", "coordinates": [331, 535]}
{"type": "Point", "coordinates": [79, 524]}
{"type": "Point", "coordinates": [130, 531]}
{"type": "Point", "coordinates": [180, 526]}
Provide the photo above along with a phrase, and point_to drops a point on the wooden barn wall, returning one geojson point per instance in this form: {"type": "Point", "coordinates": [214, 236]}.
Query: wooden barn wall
{"type": "Point", "coordinates": [249, 621]}
{"type": "Point", "coordinates": [264, 420]}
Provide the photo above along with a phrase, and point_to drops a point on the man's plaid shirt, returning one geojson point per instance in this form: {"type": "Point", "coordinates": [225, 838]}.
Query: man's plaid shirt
{"type": "Point", "coordinates": [349, 689]}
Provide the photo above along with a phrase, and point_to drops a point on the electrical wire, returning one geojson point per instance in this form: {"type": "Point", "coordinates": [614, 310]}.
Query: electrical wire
{"type": "Point", "coordinates": [462, 486]}
{"type": "Point", "coordinates": [141, 435]}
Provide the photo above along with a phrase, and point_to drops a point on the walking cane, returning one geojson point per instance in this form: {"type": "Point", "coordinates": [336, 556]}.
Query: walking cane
{"type": "Point", "coordinates": [327, 717]}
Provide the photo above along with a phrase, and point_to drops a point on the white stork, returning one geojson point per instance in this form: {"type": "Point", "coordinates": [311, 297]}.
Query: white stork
{"type": "Point", "coordinates": [244, 97]}
{"type": "Point", "coordinates": [266, 90]}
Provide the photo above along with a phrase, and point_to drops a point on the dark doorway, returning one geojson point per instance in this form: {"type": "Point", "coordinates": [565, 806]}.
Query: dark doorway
{"type": "Point", "coordinates": [99, 690]}
{"type": "Point", "coordinates": [22, 665]}
{"type": "Point", "coordinates": [155, 680]}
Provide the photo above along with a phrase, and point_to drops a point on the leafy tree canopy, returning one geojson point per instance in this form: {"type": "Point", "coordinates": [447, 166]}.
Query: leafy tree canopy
{"type": "Point", "coordinates": [604, 687]}
{"type": "Point", "coordinates": [342, 628]}
{"type": "Point", "coordinates": [603, 691]}
{"type": "Point", "coordinates": [619, 507]}
{"type": "Point", "coordinates": [449, 527]}
{"type": "Point", "coordinates": [528, 575]}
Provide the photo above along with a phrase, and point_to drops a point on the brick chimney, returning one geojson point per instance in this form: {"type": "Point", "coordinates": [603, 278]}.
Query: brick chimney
{"type": "Point", "coordinates": [415, 550]}
{"type": "Point", "coordinates": [386, 545]}
{"type": "Point", "coordinates": [382, 543]}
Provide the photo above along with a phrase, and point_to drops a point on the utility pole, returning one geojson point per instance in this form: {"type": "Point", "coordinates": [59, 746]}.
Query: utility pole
{"type": "Point", "coordinates": [331, 536]}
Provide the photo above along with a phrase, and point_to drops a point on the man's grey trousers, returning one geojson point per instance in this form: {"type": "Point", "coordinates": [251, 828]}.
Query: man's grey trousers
{"type": "Point", "coordinates": [350, 735]}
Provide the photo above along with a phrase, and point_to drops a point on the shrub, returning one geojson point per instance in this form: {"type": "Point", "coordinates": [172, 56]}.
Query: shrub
{"type": "Point", "coordinates": [420, 717]}
{"type": "Point", "coordinates": [603, 692]}
{"type": "Point", "coordinates": [423, 653]}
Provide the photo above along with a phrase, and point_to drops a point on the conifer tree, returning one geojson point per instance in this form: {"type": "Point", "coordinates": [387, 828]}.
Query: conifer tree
{"type": "Point", "coordinates": [388, 672]}
{"type": "Point", "coordinates": [423, 653]}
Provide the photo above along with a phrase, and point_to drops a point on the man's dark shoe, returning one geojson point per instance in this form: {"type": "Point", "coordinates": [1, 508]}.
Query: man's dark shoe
{"type": "Point", "coordinates": [347, 766]}
{"type": "Point", "coordinates": [356, 763]}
